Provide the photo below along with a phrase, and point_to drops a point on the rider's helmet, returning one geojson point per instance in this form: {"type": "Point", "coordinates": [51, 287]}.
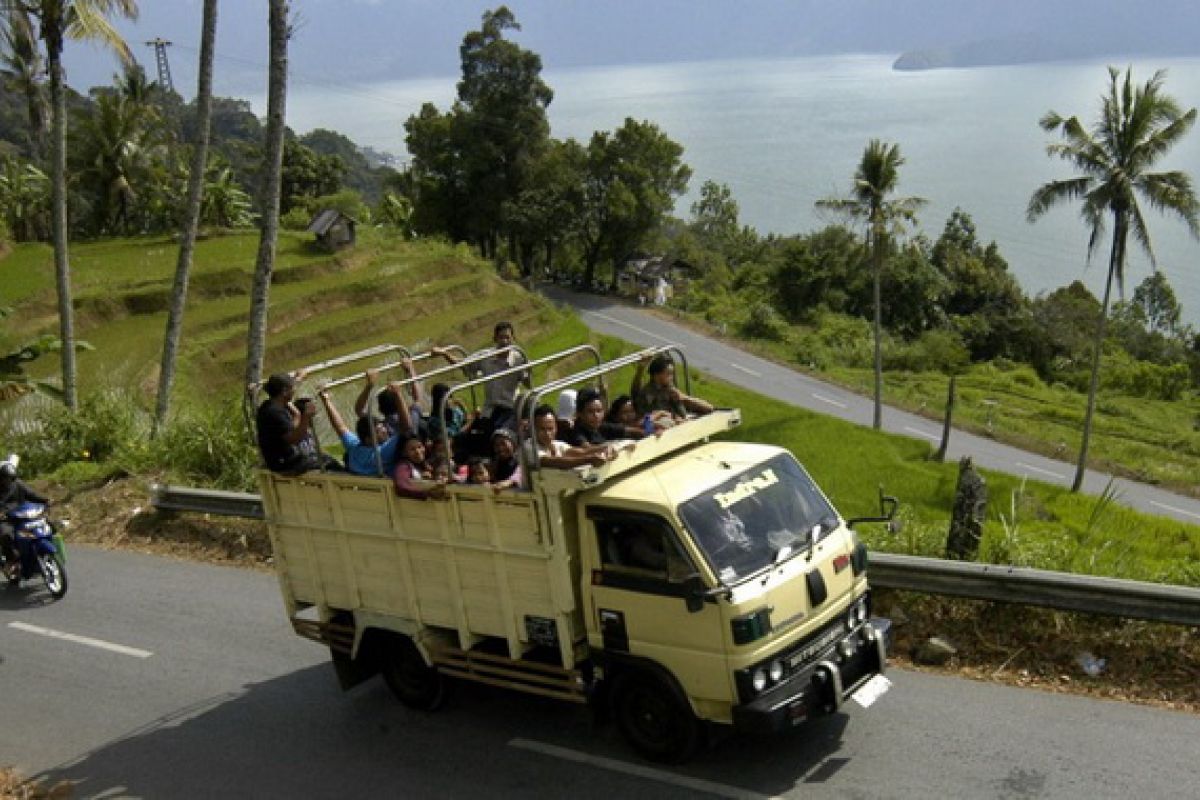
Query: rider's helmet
{"type": "Point", "coordinates": [8, 473]}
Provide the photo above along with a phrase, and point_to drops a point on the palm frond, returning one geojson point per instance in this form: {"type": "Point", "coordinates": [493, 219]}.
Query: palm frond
{"type": "Point", "coordinates": [1050, 194]}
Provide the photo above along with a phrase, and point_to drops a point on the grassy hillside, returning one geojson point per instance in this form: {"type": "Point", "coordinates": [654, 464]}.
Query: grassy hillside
{"type": "Point", "coordinates": [421, 293]}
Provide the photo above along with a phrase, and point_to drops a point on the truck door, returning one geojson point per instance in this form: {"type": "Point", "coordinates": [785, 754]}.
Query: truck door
{"type": "Point", "coordinates": [639, 588]}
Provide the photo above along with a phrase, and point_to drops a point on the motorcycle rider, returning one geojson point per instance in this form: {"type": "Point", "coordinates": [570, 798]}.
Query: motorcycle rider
{"type": "Point", "coordinates": [13, 491]}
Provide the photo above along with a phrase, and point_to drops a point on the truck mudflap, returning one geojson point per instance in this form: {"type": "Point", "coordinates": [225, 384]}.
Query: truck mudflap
{"type": "Point", "coordinates": [823, 687]}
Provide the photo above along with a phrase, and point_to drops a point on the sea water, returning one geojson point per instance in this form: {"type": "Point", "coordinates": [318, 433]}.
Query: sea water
{"type": "Point", "coordinates": [784, 133]}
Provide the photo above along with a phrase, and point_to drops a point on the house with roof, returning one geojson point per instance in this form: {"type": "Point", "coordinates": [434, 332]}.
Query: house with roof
{"type": "Point", "coordinates": [334, 229]}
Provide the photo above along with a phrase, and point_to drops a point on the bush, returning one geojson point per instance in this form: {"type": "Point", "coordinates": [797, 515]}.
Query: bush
{"type": "Point", "coordinates": [937, 351]}
{"type": "Point", "coordinates": [764, 322]}
{"type": "Point", "coordinates": [836, 339]}
{"type": "Point", "coordinates": [108, 429]}
{"type": "Point", "coordinates": [109, 437]}
{"type": "Point", "coordinates": [296, 220]}
{"type": "Point", "coordinates": [207, 446]}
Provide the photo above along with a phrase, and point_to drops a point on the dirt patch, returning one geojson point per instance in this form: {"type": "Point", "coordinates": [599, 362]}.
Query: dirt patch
{"type": "Point", "coordinates": [118, 515]}
{"type": "Point", "coordinates": [1144, 662]}
{"type": "Point", "coordinates": [14, 787]}
{"type": "Point", "coordinates": [1149, 663]}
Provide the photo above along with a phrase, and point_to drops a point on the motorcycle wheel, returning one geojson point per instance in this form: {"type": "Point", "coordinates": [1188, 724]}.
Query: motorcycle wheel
{"type": "Point", "coordinates": [53, 574]}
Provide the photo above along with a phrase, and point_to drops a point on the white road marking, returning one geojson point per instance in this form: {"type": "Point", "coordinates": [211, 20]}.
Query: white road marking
{"type": "Point", "coordinates": [631, 326]}
{"type": "Point", "coordinates": [829, 400]}
{"type": "Point", "coordinates": [931, 436]}
{"type": "Point", "coordinates": [637, 770]}
{"type": "Point", "coordinates": [746, 370]}
{"type": "Point", "coordinates": [1173, 508]}
{"type": "Point", "coordinates": [87, 640]}
{"type": "Point", "coordinates": [1043, 471]}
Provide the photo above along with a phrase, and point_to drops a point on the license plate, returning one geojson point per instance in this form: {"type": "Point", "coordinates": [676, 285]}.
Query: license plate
{"type": "Point", "coordinates": [871, 691]}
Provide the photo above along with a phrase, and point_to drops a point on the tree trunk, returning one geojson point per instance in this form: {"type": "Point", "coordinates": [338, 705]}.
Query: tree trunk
{"type": "Point", "coordinates": [53, 33]}
{"type": "Point", "coordinates": [877, 252]}
{"type": "Point", "coordinates": [949, 422]}
{"type": "Point", "coordinates": [1116, 262]}
{"type": "Point", "coordinates": [191, 221]}
{"type": "Point", "coordinates": [264, 265]}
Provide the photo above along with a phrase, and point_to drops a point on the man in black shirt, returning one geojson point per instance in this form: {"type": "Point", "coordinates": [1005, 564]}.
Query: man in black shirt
{"type": "Point", "coordinates": [282, 428]}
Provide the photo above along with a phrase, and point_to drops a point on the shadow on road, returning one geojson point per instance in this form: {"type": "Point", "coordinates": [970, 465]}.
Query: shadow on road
{"type": "Point", "coordinates": [298, 736]}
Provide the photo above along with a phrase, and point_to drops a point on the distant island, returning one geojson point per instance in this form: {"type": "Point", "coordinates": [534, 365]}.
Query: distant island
{"type": "Point", "coordinates": [990, 53]}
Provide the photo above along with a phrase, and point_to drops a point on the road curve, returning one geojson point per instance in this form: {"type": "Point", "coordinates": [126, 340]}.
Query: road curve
{"type": "Point", "coordinates": [617, 318]}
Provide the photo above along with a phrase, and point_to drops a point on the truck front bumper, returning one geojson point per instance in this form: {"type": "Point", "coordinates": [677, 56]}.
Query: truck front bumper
{"type": "Point", "coordinates": [821, 687]}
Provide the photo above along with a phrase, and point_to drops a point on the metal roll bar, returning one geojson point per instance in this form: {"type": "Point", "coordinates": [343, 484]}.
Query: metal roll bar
{"type": "Point", "coordinates": [529, 401]}
{"type": "Point", "coordinates": [519, 369]}
{"type": "Point", "coordinates": [250, 399]}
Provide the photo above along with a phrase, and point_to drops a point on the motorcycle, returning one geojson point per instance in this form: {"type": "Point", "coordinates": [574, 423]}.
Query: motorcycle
{"type": "Point", "coordinates": [40, 549]}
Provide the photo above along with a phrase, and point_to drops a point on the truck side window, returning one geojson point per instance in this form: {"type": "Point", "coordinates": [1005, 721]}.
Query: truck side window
{"type": "Point", "coordinates": [643, 544]}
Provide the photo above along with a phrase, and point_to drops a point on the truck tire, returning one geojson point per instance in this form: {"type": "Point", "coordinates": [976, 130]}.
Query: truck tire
{"type": "Point", "coordinates": [415, 683]}
{"type": "Point", "coordinates": [654, 719]}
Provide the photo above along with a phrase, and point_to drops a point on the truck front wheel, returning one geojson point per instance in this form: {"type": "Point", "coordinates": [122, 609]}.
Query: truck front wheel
{"type": "Point", "coordinates": [654, 719]}
{"type": "Point", "coordinates": [415, 683]}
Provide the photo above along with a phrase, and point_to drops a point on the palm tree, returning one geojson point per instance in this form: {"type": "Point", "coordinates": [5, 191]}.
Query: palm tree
{"type": "Point", "coordinates": [191, 221]}
{"type": "Point", "coordinates": [20, 56]}
{"type": "Point", "coordinates": [876, 179]}
{"type": "Point", "coordinates": [114, 157]}
{"type": "Point", "coordinates": [1136, 127]}
{"type": "Point", "coordinates": [264, 265]}
{"type": "Point", "coordinates": [80, 20]}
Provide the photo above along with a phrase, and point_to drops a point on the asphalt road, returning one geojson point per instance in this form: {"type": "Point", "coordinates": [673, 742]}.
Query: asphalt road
{"type": "Point", "coordinates": [738, 367]}
{"type": "Point", "coordinates": [159, 678]}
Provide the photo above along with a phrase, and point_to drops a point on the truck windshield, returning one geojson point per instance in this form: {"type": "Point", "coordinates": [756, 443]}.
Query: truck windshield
{"type": "Point", "coordinates": [757, 518]}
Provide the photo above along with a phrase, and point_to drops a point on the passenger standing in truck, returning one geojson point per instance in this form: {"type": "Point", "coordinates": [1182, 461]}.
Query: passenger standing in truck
{"type": "Point", "coordinates": [370, 449]}
{"type": "Point", "coordinates": [661, 394]}
{"type": "Point", "coordinates": [281, 427]}
{"type": "Point", "coordinates": [590, 427]}
{"type": "Point", "coordinates": [500, 394]}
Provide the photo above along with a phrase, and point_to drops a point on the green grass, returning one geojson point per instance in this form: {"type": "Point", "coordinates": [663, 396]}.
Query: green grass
{"type": "Point", "coordinates": [1153, 441]}
{"type": "Point", "coordinates": [420, 293]}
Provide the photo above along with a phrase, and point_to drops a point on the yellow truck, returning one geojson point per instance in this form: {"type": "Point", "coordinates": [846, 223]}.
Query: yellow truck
{"type": "Point", "coordinates": [691, 580]}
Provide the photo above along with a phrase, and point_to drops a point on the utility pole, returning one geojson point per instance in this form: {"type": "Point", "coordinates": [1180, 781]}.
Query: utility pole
{"type": "Point", "coordinates": [160, 57]}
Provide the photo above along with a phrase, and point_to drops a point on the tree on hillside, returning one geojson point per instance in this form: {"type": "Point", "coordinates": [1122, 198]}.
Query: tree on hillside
{"type": "Point", "coordinates": [264, 265]}
{"type": "Point", "coordinates": [473, 160]}
{"type": "Point", "coordinates": [307, 174]}
{"type": "Point", "coordinates": [21, 58]}
{"type": "Point", "coordinates": [545, 212]}
{"type": "Point", "coordinates": [874, 181]}
{"type": "Point", "coordinates": [191, 220]}
{"type": "Point", "coordinates": [24, 200]}
{"type": "Point", "coordinates": [633, 176]}
{"type": "Point", "coordinates": [1136, 127]}
{"type": "Point", "coordinates": [121, 143]}
{"type": "Point", "coordinates": [80, 20]}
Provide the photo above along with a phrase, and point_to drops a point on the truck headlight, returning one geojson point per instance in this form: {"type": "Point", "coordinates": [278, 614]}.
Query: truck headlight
{"type": "Point", "coordinates": [759, 679]}
{"type": "Point", "coordinates": [775, 671]}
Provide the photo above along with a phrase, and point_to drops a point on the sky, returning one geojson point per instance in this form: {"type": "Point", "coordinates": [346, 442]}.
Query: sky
{"type": "Point", "coordinates": [351, 42]}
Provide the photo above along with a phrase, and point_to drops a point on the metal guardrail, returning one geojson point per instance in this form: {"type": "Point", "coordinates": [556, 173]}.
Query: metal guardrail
{"type": "Point", "coordinates": [206, 501]}
{"type": "Point", "coordinates": [1064, 591]}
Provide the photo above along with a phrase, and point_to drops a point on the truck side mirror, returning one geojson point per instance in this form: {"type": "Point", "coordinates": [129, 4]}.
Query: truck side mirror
{"type": "Point", "coordinates": [695, 593]}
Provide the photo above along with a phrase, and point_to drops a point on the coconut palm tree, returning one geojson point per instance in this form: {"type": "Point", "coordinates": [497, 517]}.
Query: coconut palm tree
{"type": "Point", "coordinates": [1136, 127]}
{"type": "Point", "coordinates": [874, 181]}
{"type": "Point", "coordinates": [264, 265]}
{"type": "Point", "coordinates": [20, 56]}
{"type": "Point", "coordinates": [191, 221]}
{"type": "Point", "coordinates": [58, 20]}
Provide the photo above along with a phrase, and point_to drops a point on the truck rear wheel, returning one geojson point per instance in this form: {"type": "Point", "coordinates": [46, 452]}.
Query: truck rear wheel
{"type": "Point", "coordinates": [415, 683]}
{"type": "Point", "coordinates": [655, 721]}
